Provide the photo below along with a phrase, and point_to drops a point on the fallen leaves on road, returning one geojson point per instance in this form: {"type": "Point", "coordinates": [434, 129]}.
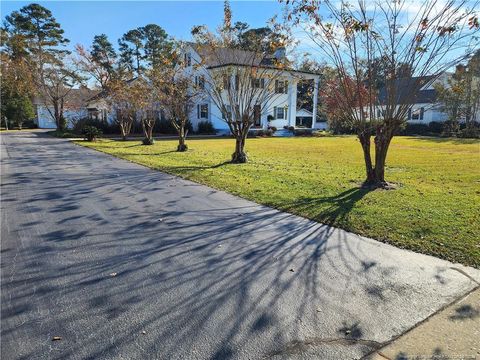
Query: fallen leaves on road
{"type": "Point", "coordinates": [56, 338]}
{"type": "Point", "coordinates": [113, 274]}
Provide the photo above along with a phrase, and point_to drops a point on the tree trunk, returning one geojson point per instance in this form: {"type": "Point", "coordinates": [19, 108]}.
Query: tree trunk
{"type": "Point", "coordinates": [239, 156]}
{"type": "Point", "coordinates": [123, 132]}
{"type": "Point", "coordinates": [148, 131]}
{"type": "Point", "coordinates": [181, 140]}
{"type": "Point", "coordinates": [56, 113]}
{"type": "Point", "coordinates": [365, 142]}
{"type": "Point", "coordinates": [382, 143]}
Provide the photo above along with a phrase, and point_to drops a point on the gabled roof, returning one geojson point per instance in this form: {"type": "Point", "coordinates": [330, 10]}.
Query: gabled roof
{"type": "Point", "coordinates": [222, 57]}
{"type": "Point", "coordinates": [411, 89]}
{"type": "Point", "coordinates": [75, 97]}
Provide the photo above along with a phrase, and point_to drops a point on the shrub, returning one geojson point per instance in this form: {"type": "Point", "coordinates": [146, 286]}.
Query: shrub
{"type": "Point", "coordinates": [206, 127]}
{"type": "Point", "coordinates": [302, 132]}
{"type": "Point", "coordinates": [270, 118]}
{"type": "Point", "coordinates": [261, 133]}
{"type": "Point", "coordinates": [104, 126]}
{"type": "Point", "coordinates": [164, 126]}
{"type": "Point", "coordinates": [91, 133]}
{"type": "Point", "coordinates": [273, 128]}
{"type": "Point", "coordinates": [339, 127]}
{"type": "Point", "coordinates": [435, 127]}
{"type": "Point", "coordinates": [472, 133]}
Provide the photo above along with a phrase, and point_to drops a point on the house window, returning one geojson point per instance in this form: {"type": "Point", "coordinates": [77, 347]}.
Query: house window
{"type": "Point", "coordinates": [416, 114]}
{"type": "Point", "coordinates": [228, 114]}
{"type": "Point", "coordinates": [200, 81]}
{"type": "Point", "coordinates": [202, 111]}
{"type": "Point", "coordinates": [279, 112]}
{"type": "Point", "coordinates": [281, 86]}
{"type": "Point", "coordinates": [226, 82]}
{"type": "Point", "coordinates": [257, 115]}
{"type": "Point", "coordinates": [188, 59]}
{"type": "Point", "coordinates": [258, 83]}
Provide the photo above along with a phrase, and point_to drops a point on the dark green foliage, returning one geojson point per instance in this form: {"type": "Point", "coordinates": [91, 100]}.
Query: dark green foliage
{"type": "Point", "coordinates": [144, 47]}
{"type": "Point", "coordinates": [206, 127]}
{"type": "Point", "coordinates": [303, 132]}
{"type": "Point", "coordinates": [472, 132]}
{"type": "Point", "coordinates": [91, 133]}
{"type": "Point", "coordinates": [164, 126]}
{"type": "Point", "coordinates": [18, 110]}
{"type": "Point", "coordinates": [42, 32]}
{"type": "Point", "coordinates": [103, 52]}
{"type": "Point", "coordinates": [340, 127]}
{"type": "Point", "coordinates": [447, 129]}
{"type": "Point", "coordinates": [104, 126]}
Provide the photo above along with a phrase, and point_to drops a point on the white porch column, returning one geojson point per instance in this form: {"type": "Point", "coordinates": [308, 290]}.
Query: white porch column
{"type": "Point", "coordinates": [292, 102]}
{"type": "Point", "coordinates": [315, 100]}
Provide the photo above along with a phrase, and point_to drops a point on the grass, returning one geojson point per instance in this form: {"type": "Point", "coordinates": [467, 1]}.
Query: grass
{"type": "Point", "coordinates": [436, 209]}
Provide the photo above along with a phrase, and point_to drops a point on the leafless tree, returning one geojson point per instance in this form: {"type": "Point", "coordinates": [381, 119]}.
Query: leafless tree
{"type": "Point", "coordinates": [366, 41]}
{"type": "Point", "coordinates": [240, 83]}
{"type": "Point", "coordinates": [177, 92]}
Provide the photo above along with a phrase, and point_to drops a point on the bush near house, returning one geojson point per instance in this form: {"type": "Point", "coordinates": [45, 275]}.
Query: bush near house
{"type": "Point", "coordinates": [166, 127]}
{"type": "Point", "coordinates": [104, 126]}
{"type": "Point", "coordinates": [91, 133]}
{"type": "Point", "coordinates": [206, 127]}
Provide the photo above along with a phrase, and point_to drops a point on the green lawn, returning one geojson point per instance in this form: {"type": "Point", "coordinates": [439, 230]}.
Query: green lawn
{"type": "Point", "coordinates": [436, 209]}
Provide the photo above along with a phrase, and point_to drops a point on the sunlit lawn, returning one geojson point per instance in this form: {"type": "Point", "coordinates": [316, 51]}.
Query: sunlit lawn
{"type": "Point", "coordinates": [436, 209]}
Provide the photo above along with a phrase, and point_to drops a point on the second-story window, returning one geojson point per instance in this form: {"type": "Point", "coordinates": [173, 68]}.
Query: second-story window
{"type": "Point", "coordinates": [200, 81]}
{"type": "Point", "coordinates": [188, 59]}
{"type": "Point", "coordinates": [281, 86]}
{"type": "Point", "coordinates": [258, 83]}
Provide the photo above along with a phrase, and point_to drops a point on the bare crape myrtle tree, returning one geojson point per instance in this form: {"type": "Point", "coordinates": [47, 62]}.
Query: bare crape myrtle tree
{"type": "Point", "coordinates": [384, 52]}
{"type": "Point", "coordinates": [239, 82]}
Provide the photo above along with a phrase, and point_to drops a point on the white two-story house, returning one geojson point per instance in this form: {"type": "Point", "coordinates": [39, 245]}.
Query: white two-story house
{"type": "Point", "coordinates": [281, 108]}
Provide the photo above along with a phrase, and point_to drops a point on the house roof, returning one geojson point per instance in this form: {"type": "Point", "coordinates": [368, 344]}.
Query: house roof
{"type": "Point", "coordinates": [75, 97]}
{"type": "Point", "coordinates": [405, 90]}
{"type": "Point", "coordinates": [223, 57]}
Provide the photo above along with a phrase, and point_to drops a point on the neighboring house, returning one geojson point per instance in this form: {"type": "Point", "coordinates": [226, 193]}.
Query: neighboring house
{"type": "Point", "coordinates": [74, 108]}
{"type": "Point", "coordinates": [425, 107]}
{"type": "Point", "coordinates": [279, 112]}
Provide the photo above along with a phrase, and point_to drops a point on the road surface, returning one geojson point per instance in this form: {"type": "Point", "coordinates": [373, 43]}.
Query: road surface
{"type": "Point", "coordinates": [120, 261]}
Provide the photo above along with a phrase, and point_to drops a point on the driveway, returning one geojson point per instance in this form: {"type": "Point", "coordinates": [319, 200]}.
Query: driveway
{"type": "Point", "coordinates": [123, 262]}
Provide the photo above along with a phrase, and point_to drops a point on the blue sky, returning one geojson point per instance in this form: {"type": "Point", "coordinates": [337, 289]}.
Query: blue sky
{"type": "Point", "coordinates": [81, 20]}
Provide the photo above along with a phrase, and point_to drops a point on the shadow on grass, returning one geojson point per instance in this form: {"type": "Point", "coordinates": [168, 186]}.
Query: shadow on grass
{"type": "Point", "coordinates": [445, 140]}
{"type": "Point", "coordinates": [338, 206]}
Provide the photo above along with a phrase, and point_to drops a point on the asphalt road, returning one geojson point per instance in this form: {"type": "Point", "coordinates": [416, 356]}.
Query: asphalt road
{"type": "Point", "coordinates": [124, 262]}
